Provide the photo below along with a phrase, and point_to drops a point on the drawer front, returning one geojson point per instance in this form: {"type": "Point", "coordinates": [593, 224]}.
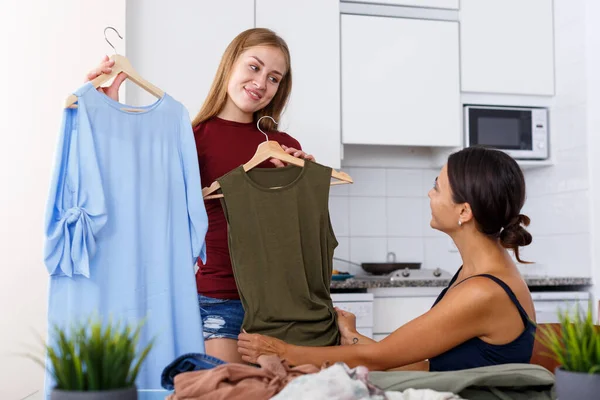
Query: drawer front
{"type": "Point", "coordinates": [362, 309]}
{"type": "Point", "coordinates": [378, 337]}
{"type": "Point", "coordinates": [368, 332]}
{"type": "Point", "coordinates": [390, 313]}
{"type": "Point", "coordinates": [546, 312]}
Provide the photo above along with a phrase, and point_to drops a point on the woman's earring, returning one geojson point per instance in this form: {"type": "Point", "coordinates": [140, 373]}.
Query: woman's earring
{"type": "Point", "coordinates": [459, 222]}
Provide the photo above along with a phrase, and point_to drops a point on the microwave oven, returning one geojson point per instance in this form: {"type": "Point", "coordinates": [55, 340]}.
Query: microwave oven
{"type": "Point", "coordinates": [521, 132]}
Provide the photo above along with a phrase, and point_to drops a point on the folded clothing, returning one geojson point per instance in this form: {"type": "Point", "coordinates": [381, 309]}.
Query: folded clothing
{"type": "Point", "coordinates": [506, 381]}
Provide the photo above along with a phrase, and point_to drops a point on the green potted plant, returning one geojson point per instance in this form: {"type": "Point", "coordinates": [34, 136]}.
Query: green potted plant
{"type": "Point", "coordinates": [94, 361]}
{"type": "Point", "coordinates": [575, 345]}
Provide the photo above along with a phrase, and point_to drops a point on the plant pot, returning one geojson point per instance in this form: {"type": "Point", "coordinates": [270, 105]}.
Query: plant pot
{"type": "Point", "coordinates": [576, 385]}
{"type": "Point", "coordinates": [119, 394]}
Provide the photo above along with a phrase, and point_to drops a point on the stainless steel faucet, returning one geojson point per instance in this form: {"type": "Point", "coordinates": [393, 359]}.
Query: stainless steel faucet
{"type": "Point", "coordinates": [393, 255]}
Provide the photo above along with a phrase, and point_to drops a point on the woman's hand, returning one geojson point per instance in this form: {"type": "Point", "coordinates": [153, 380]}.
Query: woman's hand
{"type": "Point", "coordinates": [294, 152]}
{"type": "Point", "coordinates": [105, 67]}
{"type": "Point", "coordinates": [347, 325]}
{"type": "Point", "coordinates": [250, 346]}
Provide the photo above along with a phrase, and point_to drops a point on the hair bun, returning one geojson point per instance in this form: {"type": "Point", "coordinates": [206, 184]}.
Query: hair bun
{"type": "Point", "coordinates": [517, 221]}
{"type": "Point", "coordinates": [514, 235]}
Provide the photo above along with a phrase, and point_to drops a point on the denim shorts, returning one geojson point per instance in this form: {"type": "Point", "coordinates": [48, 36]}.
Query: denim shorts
{"type": "Point", "coordinates": [221, 318]}
{"type": "Point", "coordinates": [186, 363]}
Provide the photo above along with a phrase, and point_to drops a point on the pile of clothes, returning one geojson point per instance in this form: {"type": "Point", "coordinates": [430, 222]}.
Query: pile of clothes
{"type": "Point", "coordinates": [196, 376]}
{"type": "Point", "coordinates": [199, 376]}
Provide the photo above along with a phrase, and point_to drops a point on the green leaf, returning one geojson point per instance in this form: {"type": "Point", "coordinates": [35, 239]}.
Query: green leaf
{"type": "Point", "coordinates": [95, 356]}
{"type": "Point", "coordinates": [577, 344]}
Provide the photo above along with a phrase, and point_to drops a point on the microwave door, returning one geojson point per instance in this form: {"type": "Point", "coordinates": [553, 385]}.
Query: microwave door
{"type": "Point", "coordinates": [503, 129]}
{"type": "Point", "coordinates": [501, 133]}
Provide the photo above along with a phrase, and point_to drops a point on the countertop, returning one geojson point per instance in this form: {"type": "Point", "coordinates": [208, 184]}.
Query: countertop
{"type": "Point", "coordinates": [532, 281]}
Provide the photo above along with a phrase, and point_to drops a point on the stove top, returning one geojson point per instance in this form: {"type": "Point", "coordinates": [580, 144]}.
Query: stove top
{"type": "Point", "coordinates": [414, 274]}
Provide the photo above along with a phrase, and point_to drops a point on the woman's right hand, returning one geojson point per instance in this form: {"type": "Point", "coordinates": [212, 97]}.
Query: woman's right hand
{"type": "Point", "coordinates": [105, 67]}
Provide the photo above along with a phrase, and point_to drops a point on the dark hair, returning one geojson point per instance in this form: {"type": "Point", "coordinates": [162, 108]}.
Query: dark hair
{"type": "Point", "coordinates": [494, 186]}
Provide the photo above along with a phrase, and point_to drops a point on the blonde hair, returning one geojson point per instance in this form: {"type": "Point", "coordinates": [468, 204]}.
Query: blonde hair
{"type": "Point", "coordinates": [217, 95]}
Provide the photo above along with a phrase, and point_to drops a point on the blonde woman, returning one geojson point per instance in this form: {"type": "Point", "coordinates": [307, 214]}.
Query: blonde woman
{"type": "Point", "coordinates": [254, 79]}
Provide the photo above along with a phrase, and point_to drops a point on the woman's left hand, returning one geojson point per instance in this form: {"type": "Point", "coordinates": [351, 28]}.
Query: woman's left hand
{"type": "Point", "coordinates": [294, 152]}
{"type": "Point", "coordinates": [250, 346]}
{"type": "Point", "coordinates": [347, 325]}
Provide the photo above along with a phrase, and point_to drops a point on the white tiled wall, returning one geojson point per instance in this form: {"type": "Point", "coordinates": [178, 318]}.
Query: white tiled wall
{"type": "Point", "coordinates": [387, 209]}
{"type": "Point", "coordinates": [559, 196]}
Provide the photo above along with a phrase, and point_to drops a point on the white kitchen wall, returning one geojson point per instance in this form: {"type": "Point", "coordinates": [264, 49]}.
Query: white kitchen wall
{"type": "Point", "coordinates": [559, 199]}
{"type": "Point", "coordinates": [387, 208]}
{"type": "Point", "coordinates": [592, 12]}
{"type": "Point", "coordinates": [47, 48]}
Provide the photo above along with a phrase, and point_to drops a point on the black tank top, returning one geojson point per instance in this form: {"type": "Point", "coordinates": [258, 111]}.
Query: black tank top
{"type": "Point", "coordinates": [476, 353]}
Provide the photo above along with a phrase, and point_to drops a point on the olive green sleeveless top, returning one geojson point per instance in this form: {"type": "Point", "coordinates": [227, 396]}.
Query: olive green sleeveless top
{"type": "Point", "coordinates": [281, 245]}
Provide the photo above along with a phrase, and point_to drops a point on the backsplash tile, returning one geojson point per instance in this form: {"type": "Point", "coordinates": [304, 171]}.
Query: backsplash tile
{"type": "Point", "coordinates": [428, 176]}
{"type": "Point", "coordinates": [437, 254]}
{"type": "Point", "coordinates": [368, 249]}
{"type": "Point", "coordinates": [428, 231]}
{"type": "Point", "coordinates": [404, 217]}
{"type": "Point", "coordinates": [406, 249]}
{"type": "Point", "coordinates": [367, 182]}
{"type": "Point", "coordinates": [368, 216]}
{"type": "Point", "coordinates": [339, 211]}
{"type": "Point", "coordinates": [368, 227]}
{"type": "Point", "coordinates": [404, 183]}
{"type": "Point", "coordinates": [571, 255]}
{"type": "Point", "coordinates": [558, 214]}
{"type": "Point", "coordinates": [569, 175]}
{"type": "Point", "coordinates": [340, 190]}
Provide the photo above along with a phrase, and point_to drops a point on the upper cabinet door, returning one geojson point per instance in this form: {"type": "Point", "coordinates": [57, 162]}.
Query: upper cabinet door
{"type": "Point", "coordinates": [451, 4]}
{"type": "Point", "coordinates": [507, 46]}
{"type": "Point", "coordinates": [179, 48]}
{"type": "Point", "coordinates": [400, 82]}
{"type": "Point", "coordinates": [311, 30]}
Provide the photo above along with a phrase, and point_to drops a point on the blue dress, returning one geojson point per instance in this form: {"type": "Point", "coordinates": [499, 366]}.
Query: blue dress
{"type": "Point", "coordinates": [125, 223]}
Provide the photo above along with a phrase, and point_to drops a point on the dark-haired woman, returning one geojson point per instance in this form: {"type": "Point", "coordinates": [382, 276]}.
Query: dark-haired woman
{"type": "Point", "coordinates": [485, 316]}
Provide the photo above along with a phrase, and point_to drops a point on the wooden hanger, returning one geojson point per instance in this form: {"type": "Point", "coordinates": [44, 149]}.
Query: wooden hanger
{"type": "Point", "coordinates": [122, 64]}
{"type": "Point", "coordinates": [265, 151]}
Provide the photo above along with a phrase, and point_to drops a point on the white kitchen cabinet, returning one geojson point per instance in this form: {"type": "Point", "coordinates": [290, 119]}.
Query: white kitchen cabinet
{"type": "Point", "coordinates": [394, 307]}
{"type": "Point", "coordinates": [361, 305]}
{"type": "Point", "coordinates": [450, 4]}
{"type": "Point", "coordinates": [311, 30]}
{"type": "Point", "coordinates": [400, 82]}
{"type": "Point", "coordinates": [178, 48]}
{"type": "Point", "coordinates": [548, 304]}
{"type": "Point", "coordinates": [507, 46]}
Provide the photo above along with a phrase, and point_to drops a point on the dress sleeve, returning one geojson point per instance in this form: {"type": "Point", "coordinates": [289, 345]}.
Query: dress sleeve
{"type": "Point", "coordinates": [198, 219]}
{"type": "Point", "coordinates": [76, 208]}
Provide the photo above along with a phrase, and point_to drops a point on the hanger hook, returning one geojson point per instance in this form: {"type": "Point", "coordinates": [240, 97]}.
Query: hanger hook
{"type": "Point", "coordinates": [108, 41]}
{"type": "Point", "coordinates": [258, 125]}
